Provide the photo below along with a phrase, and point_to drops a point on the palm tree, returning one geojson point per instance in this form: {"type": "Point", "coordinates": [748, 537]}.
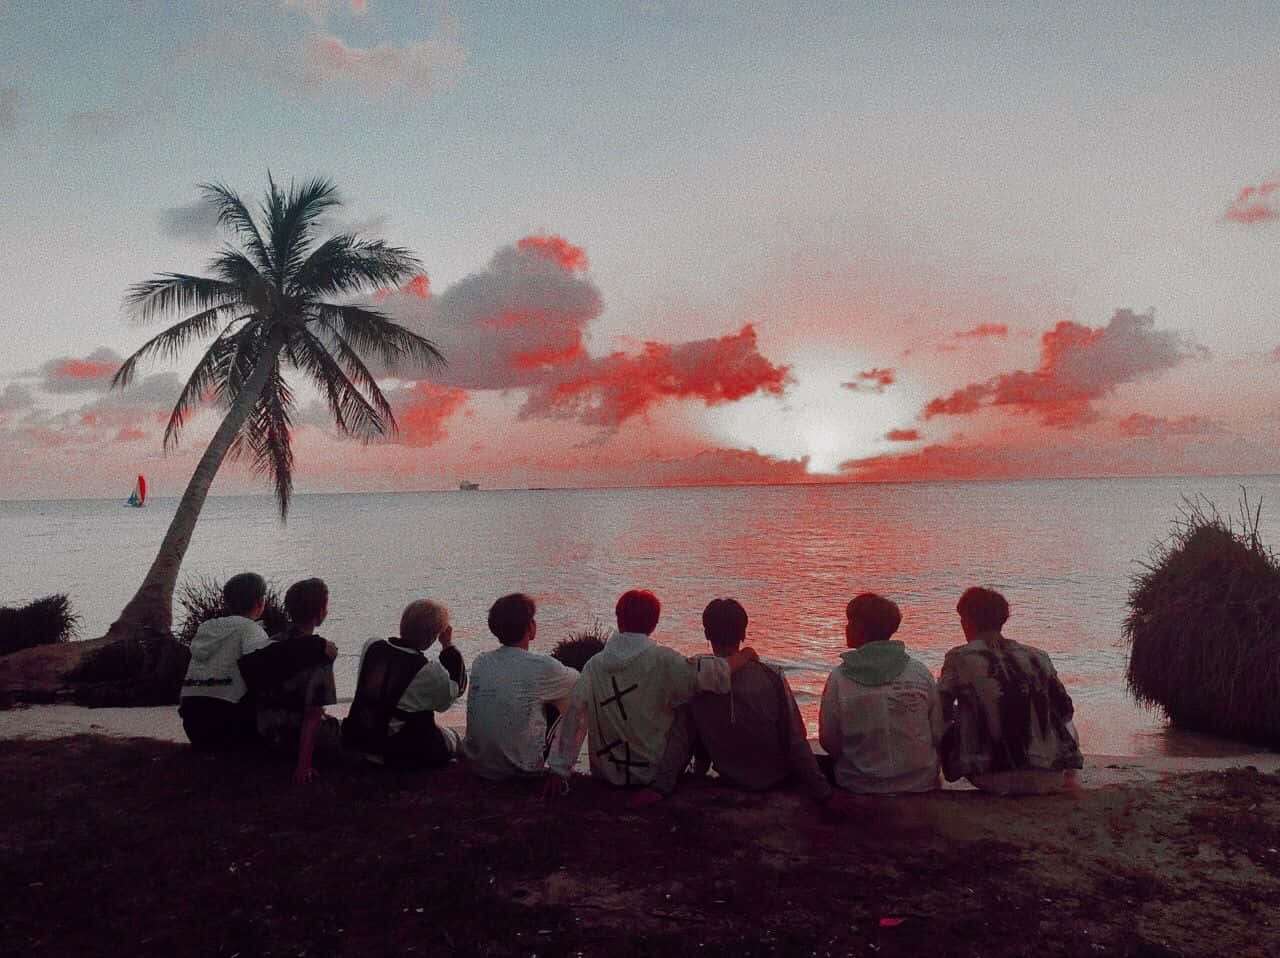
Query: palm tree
{"type": "Point", "coordinates": [268, 307]}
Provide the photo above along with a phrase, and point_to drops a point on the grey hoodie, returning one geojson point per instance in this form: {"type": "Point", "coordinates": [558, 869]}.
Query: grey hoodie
{"type": "Point", "coordinates": [215, 649]}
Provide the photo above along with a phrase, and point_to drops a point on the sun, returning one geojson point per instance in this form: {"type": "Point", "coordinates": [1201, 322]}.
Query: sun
{"type": "Point", "coordinates": [819, 419]}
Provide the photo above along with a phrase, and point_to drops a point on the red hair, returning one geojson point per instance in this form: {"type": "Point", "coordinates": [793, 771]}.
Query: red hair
{"type": "Point", "coordinates": [638, 611]}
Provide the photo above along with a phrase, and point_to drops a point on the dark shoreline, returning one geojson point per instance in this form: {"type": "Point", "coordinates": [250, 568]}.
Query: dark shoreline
{"type": "Point", "coordinates": [142, 847]}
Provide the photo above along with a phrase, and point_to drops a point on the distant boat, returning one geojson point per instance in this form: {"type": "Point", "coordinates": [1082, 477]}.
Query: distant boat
{"type": "Point", "coordinates": [138, 497]}
{"type": "Point", "coordinates": [468, 486]}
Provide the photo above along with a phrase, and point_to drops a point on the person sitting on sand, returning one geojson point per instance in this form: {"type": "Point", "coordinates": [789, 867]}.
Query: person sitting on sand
{"type": "Point", "coordinates": [1011, 730]}
{"type": "Point", "coordinates": [291, 679]}
{"type": "Point", "coordinates": [215, 707]}
{"type": "Point", "coordinates": [625, 699]}
{"type": "Point", "coordinates": [754, 735]}
{"type": "Point", "coordinates": [881, 720]}
{"type": "Point", "coordinates": [507, 730]}
{"type": "Point", "coordinates": [399, 690]}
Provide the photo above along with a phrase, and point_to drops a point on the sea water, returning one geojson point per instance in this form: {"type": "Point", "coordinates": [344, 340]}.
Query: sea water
{"type": "Point", "coordinates": [1063, 552]}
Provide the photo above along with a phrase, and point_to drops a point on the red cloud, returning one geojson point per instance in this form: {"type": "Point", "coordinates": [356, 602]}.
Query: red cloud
{"type": "Point", "coordinates": [902, 435]}
{"type": "Point", "coordinates": [558, 250]}
{"type": "Point", "coordinates": [1253, 204]}
{"type": "Point", "coordinates": [521, 322]}
{"type": "Point", "coordinates": [606, 392]}
{"type": "Point", "coordinates": [419, 286]}
{"type": "Point", "coordinates": [984, 330]}
{"type": "Point", "coordinates": [871, 380]}
{"type": "Point", "coordinates": [1077, 366]}
{"type": "Point", "coordinates": [428, 408]}
{"type": "Point", "coordinates": [130, 434]}
{"type": "Point", "coordinates": [414, 70]}
{"type": "Point", "coordinates": [69, 374]}
{"type": "Point", "coordinates": [1140, 424]}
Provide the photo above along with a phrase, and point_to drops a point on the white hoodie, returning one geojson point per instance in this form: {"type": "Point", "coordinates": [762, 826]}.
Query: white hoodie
{"type": "Point", "coordinates": [624, 702]}
{"type": "Point", "coordinates": [215, 652]}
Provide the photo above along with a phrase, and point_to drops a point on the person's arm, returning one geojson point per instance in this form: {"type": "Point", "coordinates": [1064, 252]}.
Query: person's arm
{"type": "Point", "coordinates": [937, 724]}
{"type": "Point", "coordinates": [675, 758]}
{"type": "Point", "coordinates": [568, 743]}
{"type": "Point", "coordinates": [452, 661]}
{"type": "Point", "coordinates": [1059, 699]}
{"type": "Point", "coordinates": [948, 681]}
{"type": "Point", "coordinates": [830, 735]}
{"type": "Point", "coordinates": [304, 772]}
{"type": "Point", "coordinates": [799, 755]}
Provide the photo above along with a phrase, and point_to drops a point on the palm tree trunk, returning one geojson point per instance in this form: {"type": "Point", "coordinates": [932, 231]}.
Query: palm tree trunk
{"type": "Point", "coordinates": [150, 611]}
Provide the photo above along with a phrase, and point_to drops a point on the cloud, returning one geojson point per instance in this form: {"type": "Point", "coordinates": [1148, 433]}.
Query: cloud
{"type": "Point", "coordinates": [521, 324]}
{"type": "Point", "coordinates": [608, 391]}
{"type": "Point", "coordinates": [871, 380]}
{"type": "Point", "coordinates": [70, 375]}
{"type": "Point", "coordinates": [902, 435]}
{"type": "Point", "coordinates": [12, 99]}
{"type": "Point", "coordinates": [1142, 425]}
{"type": "Point", "coordinates": [16, 398]}
{"type": "Point", "coordinates": [1254, 204]}
{"type": "Point", "coordinates": [130, 434]}
{"type": "Point", "coordinates": [564, 254]}
{"type": "Point", "coordinates": [196, 222]}
{"type": "Point", "coordinates": [422, 411]}
{"type": "Point", "coordinates": [985, 331]}
{"type": "Point", "coordinates": [1078, 365]}
{"type": "Point", "coordinates": [412, 70]}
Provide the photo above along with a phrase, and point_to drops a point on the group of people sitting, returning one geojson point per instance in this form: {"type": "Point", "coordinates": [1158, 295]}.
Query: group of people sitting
{"type": "Point", "coordinates": [998, 716]}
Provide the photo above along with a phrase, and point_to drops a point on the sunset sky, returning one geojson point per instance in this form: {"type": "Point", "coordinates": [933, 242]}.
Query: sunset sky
{"type": "Point", "coordinates": [673, 242]}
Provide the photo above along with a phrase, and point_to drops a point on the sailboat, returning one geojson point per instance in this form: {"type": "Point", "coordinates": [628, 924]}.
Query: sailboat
{"type": "Point", "coordinates": [138, 497]}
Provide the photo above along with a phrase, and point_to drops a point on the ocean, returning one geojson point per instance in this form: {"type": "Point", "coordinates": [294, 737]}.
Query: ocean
{"type": "Point", "coordinates": [1062, 551]}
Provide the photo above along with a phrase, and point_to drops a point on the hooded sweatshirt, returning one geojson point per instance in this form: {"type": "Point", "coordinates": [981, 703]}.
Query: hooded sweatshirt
{"type": "Point", "coordinates": [624, 702]}
{"type": "Point", "coordinates": [215, 650]}
{"type": "Point", "coordinates": [881, 721]}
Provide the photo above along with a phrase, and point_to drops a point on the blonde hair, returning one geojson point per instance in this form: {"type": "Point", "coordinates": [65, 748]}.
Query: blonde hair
{"type": "Point", "coordinates": [422, 622]}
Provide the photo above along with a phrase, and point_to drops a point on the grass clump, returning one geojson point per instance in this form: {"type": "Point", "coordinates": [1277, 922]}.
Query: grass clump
{"type": "Point", "coordinates": [1204, 626]}
{"type": "Point", "coordinates": [201, 600]}
{"type": "Point", "coordinates": [42, 622]}
{"type": "Point", "coordinates": [580, 646]}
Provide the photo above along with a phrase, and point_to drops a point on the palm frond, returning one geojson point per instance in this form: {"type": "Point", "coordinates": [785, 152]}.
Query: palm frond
{"type": "Point", "coordinates": [292, 217]}
{"type": "Point", "coordinates": [347, 264]}
{"type": "Point", "coordinates": [267, 434]}
{"type": "Point", "coordinates": [232, 212]}
{"type": "Point", "coordinates": [171, 341]}
{"type": "Point", "coordinates": [201, 384]}
{"type": "Point", "coordinates": [177, 293]}
{"type": "Point", "coordinates": [344, 382]}
{"type": "Point", "coordinates": [370, 332]}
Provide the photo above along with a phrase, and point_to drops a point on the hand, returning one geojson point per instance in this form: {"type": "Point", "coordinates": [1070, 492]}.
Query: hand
{"type": "Point", "coordinates": [330, 650]}
{"type": "Point", "coordinates": [748, 653]}
{"type": "Point", "coordinates": [302, 776]}
{"type": "Point", "coordinates": [446, 637]}
{"type": "Point", "coordinates": [554, 786]}
{"type": "Point", "coordinates": [646, 797]}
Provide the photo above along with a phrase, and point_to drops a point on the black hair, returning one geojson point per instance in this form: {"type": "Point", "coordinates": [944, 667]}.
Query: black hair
{"type": "Point", "coordinates": [510, 616]}
{"type": "Point", "coordinates": [242, 592]}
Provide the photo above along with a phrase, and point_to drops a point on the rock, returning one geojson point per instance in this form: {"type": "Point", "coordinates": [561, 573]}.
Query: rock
{"type": "Point", "coordinates": [99, 672]}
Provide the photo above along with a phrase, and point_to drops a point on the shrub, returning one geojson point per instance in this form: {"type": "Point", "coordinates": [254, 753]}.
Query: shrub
{"type": "Point", "coordinates": [201, 600]}
{"type": "Point", "coordinates": [579, 647]}
{"type": "Point", "coordinates": [1204, 626]}
{"type": "Point", "coordinates": [41, 622]}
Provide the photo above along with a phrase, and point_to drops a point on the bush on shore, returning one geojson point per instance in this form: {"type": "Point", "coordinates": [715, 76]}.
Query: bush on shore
{"type": "Point", "coordinates": [42, 622]}
{"type": "Point", "coordinates": [1204, 626]}
{"type": "Point", "coordinates": [201, 600]}
{"type": "Point", "coordinates": [580, 646]}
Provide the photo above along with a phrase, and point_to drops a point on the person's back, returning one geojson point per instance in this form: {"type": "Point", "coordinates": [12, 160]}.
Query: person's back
{"type": "Point", "coordinates": [399, 691]}
{"type": "Point", "coordinates": [625, 699]}
{"type": "Point", "coordinates": [215, 708]}
{"type": "Point", "coordinates": [291, 679]}
{"type": "Point", "coordinates": [880, 719]}
{"type": "Point", "coordinates": [1011, 717]}
{"type": "Point", "coordinates": [753, 735]}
